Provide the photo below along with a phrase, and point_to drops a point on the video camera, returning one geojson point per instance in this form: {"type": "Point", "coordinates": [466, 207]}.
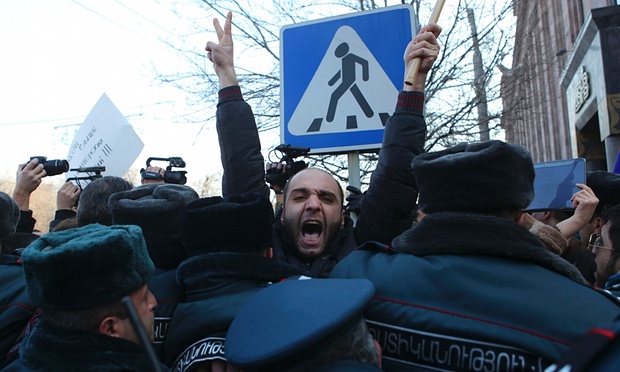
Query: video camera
{"type": "Point", "coordinates": [170, 176]}
{"type": "Point", "coordinates": [288, 154]}
{"type": "Point", "coordinates": [52, 167]}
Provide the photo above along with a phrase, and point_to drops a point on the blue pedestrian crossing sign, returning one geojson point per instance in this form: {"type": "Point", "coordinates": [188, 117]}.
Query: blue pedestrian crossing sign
{"type": "Point", "coordinates": [340, 78]}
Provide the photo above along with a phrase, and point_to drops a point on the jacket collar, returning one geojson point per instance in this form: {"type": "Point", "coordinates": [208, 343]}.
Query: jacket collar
{"type": "Point", "coordinates": [49, 348]}
{"type": "Point", "coordinates": [457, 233]}
{"type": "Point", "coordinates": [211, 272]}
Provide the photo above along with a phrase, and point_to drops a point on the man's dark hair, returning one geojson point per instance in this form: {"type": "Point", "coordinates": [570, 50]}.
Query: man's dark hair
{"type": "Point", "coordinates": [355, 344]}
{"type": "Point", "coordinates": [612, 213]}
{"type": "Point", "coordinates": [93, 204]}
{"type": "Point", "coordinates": [286, 187]}
{"type": "Point", "coordinates": [84, 319]}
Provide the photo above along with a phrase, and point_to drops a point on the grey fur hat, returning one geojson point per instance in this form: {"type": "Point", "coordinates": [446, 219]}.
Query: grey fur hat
{"type": "Point", "coordinates": [85, 267]}
{"type": "Point", "coordinates": [9, 215]}
{"type": "Point", "coordinates": [482, 177]}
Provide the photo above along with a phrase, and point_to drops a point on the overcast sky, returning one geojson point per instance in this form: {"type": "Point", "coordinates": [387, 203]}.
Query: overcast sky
{"type": "Point", "coordinates": [59, 56]}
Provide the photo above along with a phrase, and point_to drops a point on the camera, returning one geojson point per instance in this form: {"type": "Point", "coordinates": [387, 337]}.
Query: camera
{"type": "Point", "coordinates": [170, 176]}
{"type": "Point", "coordinates": [52, 167]}
{"type": "Point", "coordinates": [288, 153]}
{"type": "Point", "coordinates": [92, 173]}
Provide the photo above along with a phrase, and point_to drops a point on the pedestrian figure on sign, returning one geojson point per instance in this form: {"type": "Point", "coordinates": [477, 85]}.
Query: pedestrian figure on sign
{"type": "Point", "coordinates": [348, 81]}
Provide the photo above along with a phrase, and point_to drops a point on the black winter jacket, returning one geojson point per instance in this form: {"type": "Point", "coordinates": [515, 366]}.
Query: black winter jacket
{"type": "Point", "coordinates": [391, 196]}
{"type": "Point", "coordinates": [216, 286]}
{"type": "Point", "coordinates": [471, 292]}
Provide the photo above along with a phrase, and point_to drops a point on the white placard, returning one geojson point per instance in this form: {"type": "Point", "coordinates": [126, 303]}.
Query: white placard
{"type": "Point", "coordinates": [105, 139]}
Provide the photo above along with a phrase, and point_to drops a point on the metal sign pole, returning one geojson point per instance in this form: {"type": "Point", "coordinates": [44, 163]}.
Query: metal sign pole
{"type": "Point", "coordinates": [354, 174]}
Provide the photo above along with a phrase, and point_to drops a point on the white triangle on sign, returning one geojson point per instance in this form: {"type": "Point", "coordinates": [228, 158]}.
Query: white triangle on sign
{"type": "Point", "coordinates": [311, 115]}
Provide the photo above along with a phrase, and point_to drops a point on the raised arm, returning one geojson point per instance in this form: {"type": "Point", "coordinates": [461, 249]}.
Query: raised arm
{"type": "Point", "coordinates": [388, 207]}
{"type": "Point", "coordinates": [240, 145]}
{"type": "Point", "coordinates": [584, 202]}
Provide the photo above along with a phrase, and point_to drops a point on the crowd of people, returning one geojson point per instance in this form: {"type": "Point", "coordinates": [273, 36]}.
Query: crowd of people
{"type": "Point", "coordinates": [442, 270]}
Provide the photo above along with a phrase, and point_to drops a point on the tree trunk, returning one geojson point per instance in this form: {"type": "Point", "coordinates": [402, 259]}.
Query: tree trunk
{"type": "Point", "coordinates": [479, 81]}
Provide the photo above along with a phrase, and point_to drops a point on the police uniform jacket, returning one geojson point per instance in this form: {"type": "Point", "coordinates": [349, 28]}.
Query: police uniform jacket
{"type": "Point", "coordinates": [216, 286]}
{"type": "Point", "coordinates": [52, 349]}
{"type": "Point", "coordinates": [471, 292]}
{"type": "Point", "coordinates": [168, 293]}
{"type": "Point", "coordinates": [391, 196]}
{"type": "Point", "coordinates": [16, 310]}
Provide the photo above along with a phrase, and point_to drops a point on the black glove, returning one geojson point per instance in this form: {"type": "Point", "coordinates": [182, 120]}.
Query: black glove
{"type": "Point", "coordinates": [276, 177]}
{"type": "Point", "coordinates": [354, 199]}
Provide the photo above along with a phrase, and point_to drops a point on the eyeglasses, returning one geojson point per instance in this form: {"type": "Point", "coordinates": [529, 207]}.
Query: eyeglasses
{"type": "Point", "coordinates": [595, 241]}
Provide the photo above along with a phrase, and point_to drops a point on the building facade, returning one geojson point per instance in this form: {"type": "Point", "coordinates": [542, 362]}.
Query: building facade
{"type": "Point", "coordinates": [562, 95]}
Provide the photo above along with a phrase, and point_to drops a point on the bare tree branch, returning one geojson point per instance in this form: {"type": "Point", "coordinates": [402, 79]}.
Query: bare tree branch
{"type": "Point", "coordinates": [451, 98]}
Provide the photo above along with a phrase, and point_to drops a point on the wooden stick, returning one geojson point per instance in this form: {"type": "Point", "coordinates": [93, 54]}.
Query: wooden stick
{"type": "Point", "coordinates": [415, 64]}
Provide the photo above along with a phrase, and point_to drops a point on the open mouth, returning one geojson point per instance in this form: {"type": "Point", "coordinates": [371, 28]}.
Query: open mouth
{"type": "Point", "coordinates": [311, 231]}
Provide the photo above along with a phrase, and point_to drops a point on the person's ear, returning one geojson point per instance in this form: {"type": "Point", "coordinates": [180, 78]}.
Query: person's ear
{"type": "Point", "coordinates": [282, 213]}
{"type": "Point", "coordinates": [268, 253]}
{"type": "Point", "coordinates": [343, 218]}
{"type": "Point", "coordinates": [379, 353]}
{"type": "Point", "coordinates": [520, 218]}
{"type": "Point", "coordinates": [598, 225]}
{"type": "Point", "coordinates": [111, 326]}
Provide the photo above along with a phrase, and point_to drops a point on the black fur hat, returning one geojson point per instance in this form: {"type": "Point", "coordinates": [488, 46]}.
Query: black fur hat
{"type": "Point", "coordinates": [606, 187]}
{"type": "Point", "coordinates": [9, 215]}
{"type": "Point", "coordinates": [482, 177]}
{"type": "Point", "coordinates": [85, 267]}
{"type": "Point", "coordinates": [237, 223]}
{"type": "Point", "coordinates": [157, 209]}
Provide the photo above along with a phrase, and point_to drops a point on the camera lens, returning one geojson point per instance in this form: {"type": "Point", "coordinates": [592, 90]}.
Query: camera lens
{"type": "Point", "coordinates": [177, 177]}
{"type": "Point", "coordinates": [55, 167]}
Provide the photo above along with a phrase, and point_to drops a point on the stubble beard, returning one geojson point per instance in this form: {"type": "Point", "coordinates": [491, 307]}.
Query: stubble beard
{"type": "Point", "coordinates": [332, 232]}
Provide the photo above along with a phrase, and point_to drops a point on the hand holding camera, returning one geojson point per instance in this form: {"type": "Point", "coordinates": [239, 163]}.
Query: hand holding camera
{"type": "Point", "coordinates": [52, 167]}
{"type": "Point", "coordinates": [67, 196]}
{"type": "Point", "coordinates": [278, 173]}
{"type": "Point", "coordinates": [276, 176]}
{"type": "Point", "coordinates": [153, 174]}
{"type": "Point", "coordinates": [27, 179]}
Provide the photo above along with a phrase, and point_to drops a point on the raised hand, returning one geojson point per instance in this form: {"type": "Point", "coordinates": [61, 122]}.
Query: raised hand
{"type": "Point", "coordinates": [222, 53]}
